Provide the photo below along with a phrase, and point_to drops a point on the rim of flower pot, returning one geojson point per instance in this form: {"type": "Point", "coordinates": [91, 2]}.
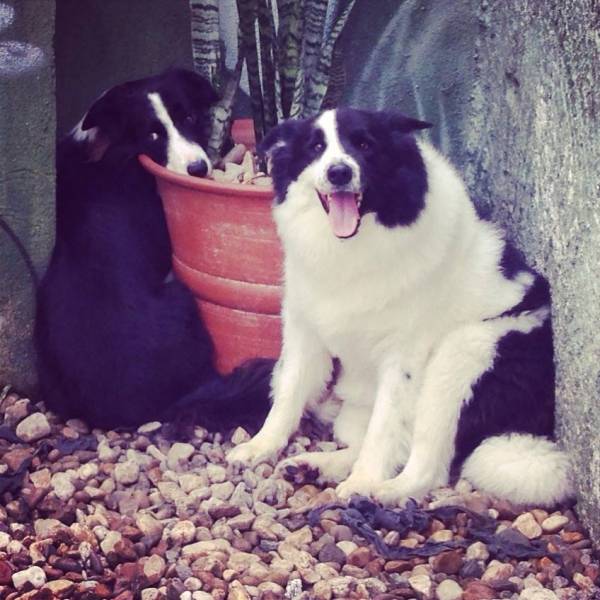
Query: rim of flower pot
{"type": "Point", "coordinates": [201, 184]}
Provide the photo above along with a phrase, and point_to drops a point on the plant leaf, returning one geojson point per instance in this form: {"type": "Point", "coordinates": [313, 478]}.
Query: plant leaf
{"type": "Point", "coordinates": [289, 48]}
{"type": "Point", "coordinates": [221, 112]}
{"type": "Point", "coordinates": [319, 76]}
{"type": "Point", "coordinates": [266, 35]}
{"type": "Point", "coordinates": [206, 45]}
{"type": "Point", "coordinates": [248, 14]}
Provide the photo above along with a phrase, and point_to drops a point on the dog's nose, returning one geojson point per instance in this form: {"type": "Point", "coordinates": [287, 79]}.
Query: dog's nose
{"type": "Point", "coordinates": [198, 168]}
{"type": "Point", "coordinates": [339, 174]}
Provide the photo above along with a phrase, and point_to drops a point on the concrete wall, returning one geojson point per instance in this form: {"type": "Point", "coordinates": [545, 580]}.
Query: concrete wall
{"type": "Point", "coordinates": [27, 122]}
{"type": "Point", "coordinates": [536, 151]}
{"type": "Point", "coordinates": [513, 90]}
{"type": "Point", "coordinates": [102, 43]}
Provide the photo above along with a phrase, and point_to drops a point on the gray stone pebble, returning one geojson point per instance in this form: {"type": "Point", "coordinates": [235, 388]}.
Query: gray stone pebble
{"type": "Point", "coordinates": [33, 428]}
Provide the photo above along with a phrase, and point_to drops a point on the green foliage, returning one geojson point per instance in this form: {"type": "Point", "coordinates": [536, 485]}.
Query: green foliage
{"type": "Point", "coordinates": [294, 66]}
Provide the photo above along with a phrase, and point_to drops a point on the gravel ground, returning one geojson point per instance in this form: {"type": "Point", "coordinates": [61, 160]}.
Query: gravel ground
{"type": "Point", "coordinates": [126, 515]}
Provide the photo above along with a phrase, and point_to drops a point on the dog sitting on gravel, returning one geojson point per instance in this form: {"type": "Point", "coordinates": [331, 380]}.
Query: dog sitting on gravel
{"type": "Point", "coordinates": [119, 343]}
{"type": "Point", "coordinates": [442, 331]}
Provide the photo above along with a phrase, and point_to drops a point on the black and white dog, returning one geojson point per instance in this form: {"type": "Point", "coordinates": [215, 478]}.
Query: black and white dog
{"type": "Point", "coordinates": [442, 331]}
{"type": "Point", "coordinates": [118, 342]}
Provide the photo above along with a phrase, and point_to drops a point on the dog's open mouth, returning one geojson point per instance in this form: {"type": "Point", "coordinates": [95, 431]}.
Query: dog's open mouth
{"type": "Point", "coordinates": [342, 210]}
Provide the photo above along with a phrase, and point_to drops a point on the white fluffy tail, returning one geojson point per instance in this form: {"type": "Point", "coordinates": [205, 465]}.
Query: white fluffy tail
{"type": "Point", "coordinates": [522, 468]}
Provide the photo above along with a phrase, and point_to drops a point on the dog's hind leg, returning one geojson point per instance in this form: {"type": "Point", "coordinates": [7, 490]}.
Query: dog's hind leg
{"type": "Point", "coordinates": [455, 367]}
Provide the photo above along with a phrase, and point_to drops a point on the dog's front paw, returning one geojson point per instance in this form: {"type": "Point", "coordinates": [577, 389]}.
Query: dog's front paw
{"type": "Point", "coordinates": [397, 491]}
{"type": "Point", "coordinates": [251, 453]}
{"type": "Point", "coordinates": [320, 467]}
{"type": "Point", "coordinates": [298, 471]}
{"type": "Point", "coordinates": [361, 485]}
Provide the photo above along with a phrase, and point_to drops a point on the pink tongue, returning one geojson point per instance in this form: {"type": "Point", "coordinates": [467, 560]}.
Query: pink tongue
{"type": "Point", "coordinates": [343, 214]}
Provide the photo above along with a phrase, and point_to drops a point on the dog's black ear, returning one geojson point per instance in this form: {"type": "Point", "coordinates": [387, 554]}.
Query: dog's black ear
{"type": "Point", "coordinates": [277, 137]}
{"type": "Point", "coordinates": [107, 112]}
{"type": "Point", "coordinates": [197, 87]}
{"type": "Point", "coordinates": [404, 124]}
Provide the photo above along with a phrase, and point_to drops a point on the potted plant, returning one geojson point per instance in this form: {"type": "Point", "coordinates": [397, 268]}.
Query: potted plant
{"type": "Point", "coordinates": [225, 247]}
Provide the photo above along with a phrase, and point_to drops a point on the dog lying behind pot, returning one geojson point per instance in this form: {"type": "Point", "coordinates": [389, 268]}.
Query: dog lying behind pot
{"type": "Point", "coordinates": [442, 331]}
{"type": "Point", "coordinates": [119, 342]}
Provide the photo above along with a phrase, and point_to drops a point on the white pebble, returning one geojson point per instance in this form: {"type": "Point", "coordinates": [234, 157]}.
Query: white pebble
{"type": "Point", "coordinates": [554, 523]}
{"type": "Point", "coordinates": [106, 453]}
{"type": "Point", "coordinates": [110, 541]}
{"type": "Point", "coordinates": [448, 590]}
{"type": "Point", "coordinates": [193, 584]}
{"type": "Point", "coordinates": [33, 575]}
{"type": "Point", "coordinates": [537, 594]}
{"type": "Point", "coordinates": [222, 491]}
{"type": "Point", "coordinates": [154, 452]}
{"type": "Point", "coordinates": [62, 485]}
{"type": "Point", "coordinates": [87, 471]}
{"type": "Point", "coordinates": [528, 526]}
{"type": "Point", "coordinates": [150, 427]}
{"type": "Point", "coordinates": [14, 547]}
{"type": "Point", "coordinates": [183, 532]}
{"type": "Point", "coordinates": [4, 540]}
{"type": "Point", "coordinates": [179, 454]}
{"type": "Point", "coordinates": [421, 584]}
{"type": "Point", "coordinates": [190, 481]}
{"type": "Point", "coordinates": [240, 435]}
{"type": "Point", "coordinates": [216, 473]}
{"type": "Point", "coordinates": [347, 547]}
{"type": "Point", "coordinates": [127, 472]}
{"type": "Point", "coordinates": [477, 551]}
{"type": "Point", "coordinates": [33, 427]}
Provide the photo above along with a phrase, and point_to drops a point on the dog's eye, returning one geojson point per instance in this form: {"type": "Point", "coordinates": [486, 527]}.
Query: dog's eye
{"type": "Point", "coordinates": [191, 119]}
{"type": "Point", "coordinates": [364, 145]}
{"type": "Point", "coordinates": [153, 135]}
{"type": "Point", "coordinates": [318, 147]}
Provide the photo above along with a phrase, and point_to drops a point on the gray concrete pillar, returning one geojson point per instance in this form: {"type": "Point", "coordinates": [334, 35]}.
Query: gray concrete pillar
{"type": "Point", "coordinates": [27, 133]}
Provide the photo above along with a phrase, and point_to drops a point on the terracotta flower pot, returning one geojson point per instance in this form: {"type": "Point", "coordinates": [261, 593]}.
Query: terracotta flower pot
{"type": "Point", "coordinates": [242, 132]}
{"type": "Point", "coordinates": [226, 250]}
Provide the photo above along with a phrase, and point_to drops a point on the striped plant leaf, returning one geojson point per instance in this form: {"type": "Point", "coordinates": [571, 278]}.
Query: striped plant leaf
{"type": "Point", "coordinates": [294, 63]}
{"type": "Point", "coordinates": [315, 12]}
{"type": "Point", "coordinates": [289, 49]}
{"type": "Point", "coordinates": [221, 112]}
{"type": "Point", "coordinates": [266, 34]}
{"type": "Point", "coordinates": [248, 15]}
{"type": "Point", "coordinates": [319, 76]}
{"type": "Point", "coordinates": [337, 79]}
{"type": "Point", "coordinates": [206, 45]}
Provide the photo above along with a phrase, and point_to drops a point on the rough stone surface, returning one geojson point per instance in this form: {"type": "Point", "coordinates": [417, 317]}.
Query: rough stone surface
{"type": "Point", "coordinates": [33, 575]}
{"type": "Point", "coordinates": [528, 526]}
{"type": "Point", "coordinates": [554, 523]}
{"type": "Point", "coordinates": [33, 427]}
{"type": "Point", "coordinates": [127, 472]}
{"type": "Point", "coordinates": [448, 590]}
{"type": "Point", "coordinates": [513, 92]}
{"type": "Point", "coordinates": [27, 122]}
{"type": "Point", "coordinates": [62, 485]}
